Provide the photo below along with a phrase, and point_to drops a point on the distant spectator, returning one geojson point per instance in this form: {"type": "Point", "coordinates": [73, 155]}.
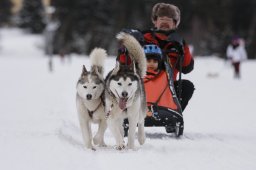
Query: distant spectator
{"type": "Point", "coordinates": [236, 53]}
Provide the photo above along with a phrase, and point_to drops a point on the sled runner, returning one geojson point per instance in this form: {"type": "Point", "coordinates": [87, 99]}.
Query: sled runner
{"type": "Point", "coordinates": [162, 100]}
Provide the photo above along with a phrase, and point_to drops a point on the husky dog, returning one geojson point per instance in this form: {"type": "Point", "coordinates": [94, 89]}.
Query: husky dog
{"type": "Point", "coordinates": [125, 94]}
{"type": "Point", "coordinates": [90, 99]}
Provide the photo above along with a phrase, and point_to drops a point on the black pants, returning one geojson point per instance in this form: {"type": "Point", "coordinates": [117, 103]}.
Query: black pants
{"type": "Point", "coordinates": [236, 66]}
{"type": "Point", "coordinates": [187, 90]}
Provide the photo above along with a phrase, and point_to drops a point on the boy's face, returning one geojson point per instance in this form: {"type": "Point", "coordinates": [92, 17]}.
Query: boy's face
{"type": "Point", "coordinates": [152, 64]}
{"type": "Point", "coordinates": [164, 23]}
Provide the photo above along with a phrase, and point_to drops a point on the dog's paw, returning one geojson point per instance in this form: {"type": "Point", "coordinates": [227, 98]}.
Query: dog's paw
{"type": "Point", "coordinates": [102, 144]}
{"type": "Point", "coordinates": [90, 148]}
{"type": "Point", "coordinates": [130, 146]}
{"type": "Point", "coordinates": [141, 139]}
{"type": "Point", "coordinates": [120, 147]}
{"type": "Point", "coordinates": [96, 140]}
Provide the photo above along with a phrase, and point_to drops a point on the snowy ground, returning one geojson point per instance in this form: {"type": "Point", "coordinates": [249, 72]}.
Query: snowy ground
{"type": "Point", "coordinates": [39, 127]}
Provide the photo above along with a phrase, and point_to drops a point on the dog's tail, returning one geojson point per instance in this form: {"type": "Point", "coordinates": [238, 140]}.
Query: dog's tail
{"type": "Point", "coordinates": [135, 50]}
{"type": "Point", "coordinates": [97, 58]}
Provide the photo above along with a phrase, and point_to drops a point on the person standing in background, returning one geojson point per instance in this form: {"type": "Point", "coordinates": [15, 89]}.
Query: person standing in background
{"type": "Point", "coordinates": [236, 53]}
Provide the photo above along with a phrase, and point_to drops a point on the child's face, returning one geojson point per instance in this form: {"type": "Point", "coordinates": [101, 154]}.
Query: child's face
{"type": "Point", "coordinates": [164, 23]}
{"type": "Point", "coordinates": [152, 64]}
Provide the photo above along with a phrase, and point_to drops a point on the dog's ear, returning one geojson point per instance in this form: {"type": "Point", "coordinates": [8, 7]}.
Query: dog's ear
{"type": "Point", "coordinates": [133, 68]}
{"type": "Point", "coordinates": [97, 70]}
{"type": "Point", "coordinates": [84, 71]}
{"type": "Point", "coordinates": [116, 69]}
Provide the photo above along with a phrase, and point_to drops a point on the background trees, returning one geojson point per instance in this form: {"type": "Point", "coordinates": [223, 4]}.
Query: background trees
{"type": "Point", "coordinates": [5, 12]}
{"type": "Point", "coordinates": [32, 16]}
{"type": "Point", "coordinates": [208, 25]}
{"type": "Point", "coordinates": [84, 24]}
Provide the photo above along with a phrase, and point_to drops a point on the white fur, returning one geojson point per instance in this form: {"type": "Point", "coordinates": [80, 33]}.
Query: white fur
{"type": "Point", "coordinates": [136, 105]}
{"type": "Point", "coordinates": [95, 103]}
{"type": "Point", "coordinates": [126, 85]}
{"type": "Point", "coordinates": [98, 56]}
{"type": "Point", "coordinates": [135, 114]}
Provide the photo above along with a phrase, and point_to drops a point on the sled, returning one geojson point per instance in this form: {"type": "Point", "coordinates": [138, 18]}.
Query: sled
{"type": "Point", "coordinates": [164, 103]}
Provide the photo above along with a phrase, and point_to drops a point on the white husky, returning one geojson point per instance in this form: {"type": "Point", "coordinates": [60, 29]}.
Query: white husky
{"type": "Point", "coordinates": [125, 95]}
{"type": "Point", "coordinates": [90, 99]}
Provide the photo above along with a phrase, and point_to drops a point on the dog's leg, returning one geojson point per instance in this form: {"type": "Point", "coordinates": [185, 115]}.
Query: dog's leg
{"type": "Point", "coordinates": [86, 133]}
{"type": "Point", "coordinates": [141, 132]}
{"type": "Point", "coordinates": [121, 127]}
{"type": "Point", "coordinates": [99, 137]}
{"type": "Point", "coordinates": [133, 120]}
{"type": "Point", "coordinates": [114, 128]}
{"type": "Point", "coordinates": [84, 124]}
{"type": "Point", "coordinates": [87, 136]}
{"type": "Point", "coordinates": [108, 104]}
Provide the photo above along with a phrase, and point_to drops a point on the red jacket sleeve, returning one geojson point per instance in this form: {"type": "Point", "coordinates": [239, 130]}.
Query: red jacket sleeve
{"type": "Point", "coordinates": [188, 61]}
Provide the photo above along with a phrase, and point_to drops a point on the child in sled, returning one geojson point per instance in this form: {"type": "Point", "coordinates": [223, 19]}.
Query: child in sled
{"type": "Point", "coordinates": [163, 106]}
{"type": "Point", "coordinates": [156, 80]}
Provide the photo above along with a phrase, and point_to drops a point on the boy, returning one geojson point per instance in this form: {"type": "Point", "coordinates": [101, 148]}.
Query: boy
{"type": "Point", "coordinates": [156, 81]}
{"type": "Point", "coordinates": [153, 55]}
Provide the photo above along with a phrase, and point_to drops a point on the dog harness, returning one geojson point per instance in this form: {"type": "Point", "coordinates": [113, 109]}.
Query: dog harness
{"type": "Point", "coordinates": [90, 112]}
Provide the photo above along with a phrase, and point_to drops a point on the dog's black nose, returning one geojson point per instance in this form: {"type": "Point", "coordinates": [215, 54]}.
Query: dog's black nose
{"type": "Point", "coordinates": [124, 94]}
{"type": "Point", "coordinates": [89, 96]}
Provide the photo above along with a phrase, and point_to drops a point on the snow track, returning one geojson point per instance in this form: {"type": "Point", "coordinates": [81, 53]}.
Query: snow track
{"type": "Point", "coordinates": [39, 126]}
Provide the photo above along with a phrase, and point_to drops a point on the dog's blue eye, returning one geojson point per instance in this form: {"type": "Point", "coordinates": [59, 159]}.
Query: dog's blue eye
{"type": "Point", "coordinates": [119, 84]}
{"type": "Point", "coordinates": [85, 87]}
{"type": "Point", "coordinates": [129, 84]}
{"type": "Point", "coordinates": [94, 87]}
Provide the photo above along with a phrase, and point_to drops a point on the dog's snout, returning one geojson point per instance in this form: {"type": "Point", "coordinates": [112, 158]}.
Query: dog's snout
{"type": "Point", "coordinates": [124, 94]}
{"type": "Point", "coordinates": [89, 96]}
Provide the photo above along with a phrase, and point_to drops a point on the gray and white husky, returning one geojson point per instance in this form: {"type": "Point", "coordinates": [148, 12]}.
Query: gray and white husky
{"type": "Point", "coordinates": [90, 99]}
{"type": "Point", "coordinates": [125, 94]}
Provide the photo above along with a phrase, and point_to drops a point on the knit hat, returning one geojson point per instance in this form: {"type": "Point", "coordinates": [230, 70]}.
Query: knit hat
{"type": "Point", "coordinates": [123, 56]}
{"type": "Point", "coordinates": [235, 40]}
{"type": "Point", "coordinates": [168, 10]}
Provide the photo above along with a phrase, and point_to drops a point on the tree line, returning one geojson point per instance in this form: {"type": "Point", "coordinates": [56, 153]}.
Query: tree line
{"type": "Point", "coordinates": [84, 24]}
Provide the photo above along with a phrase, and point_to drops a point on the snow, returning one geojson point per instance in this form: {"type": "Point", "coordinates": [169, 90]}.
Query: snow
{"type": "Point", "coordinates": [39, 125]}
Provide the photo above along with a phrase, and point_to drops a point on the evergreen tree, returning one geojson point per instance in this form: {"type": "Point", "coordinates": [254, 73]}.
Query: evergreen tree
{"type": "Point", "coordinates": [32, 16]}
{"type": "Point", "coordinates": [5, 11]}
{"type": "Point", "coordinates": [79, 20]}
{"type": "Point", "coordinates": [207, 25]}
